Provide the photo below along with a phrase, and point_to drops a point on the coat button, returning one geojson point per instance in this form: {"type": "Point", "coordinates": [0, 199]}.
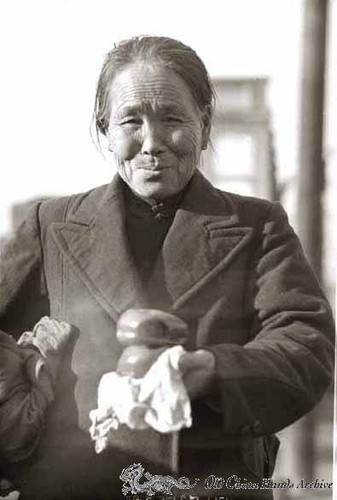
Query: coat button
{"type": "Point", "coordinates": [257, 427]}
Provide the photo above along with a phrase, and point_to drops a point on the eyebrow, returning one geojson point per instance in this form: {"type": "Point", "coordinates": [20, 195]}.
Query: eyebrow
{"type": "Point", "coordinates": [166, 109]}
{"type": "Point", "coordinates": [127, 110]}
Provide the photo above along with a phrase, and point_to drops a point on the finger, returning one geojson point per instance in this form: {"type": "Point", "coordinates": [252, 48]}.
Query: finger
{"type": "Point", "coordinates": [187, 362]}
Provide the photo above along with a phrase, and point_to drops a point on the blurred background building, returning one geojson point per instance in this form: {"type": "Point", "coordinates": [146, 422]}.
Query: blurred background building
{"type": "Point", "coordinates": [274, 68]}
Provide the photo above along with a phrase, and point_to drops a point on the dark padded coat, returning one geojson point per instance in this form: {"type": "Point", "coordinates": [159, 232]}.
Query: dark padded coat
{"type": "Point", "coordinates": [232, 268]}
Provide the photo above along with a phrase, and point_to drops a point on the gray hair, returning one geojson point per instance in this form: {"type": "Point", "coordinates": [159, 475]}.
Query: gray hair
{"type": "Point", "coordinates": [165, 51]}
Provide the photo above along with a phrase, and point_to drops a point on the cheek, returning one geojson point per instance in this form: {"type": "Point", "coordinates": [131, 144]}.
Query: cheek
{"type": "Point", "coordinates": [125, 146]}
{"type": "Point", "coordinates": [186, 142]}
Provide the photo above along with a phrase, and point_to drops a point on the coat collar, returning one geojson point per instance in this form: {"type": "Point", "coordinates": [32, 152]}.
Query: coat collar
{"type": "Point", "coordinates": [204, 238]}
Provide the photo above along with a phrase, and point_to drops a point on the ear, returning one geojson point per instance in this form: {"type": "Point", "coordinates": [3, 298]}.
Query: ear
{"type": "Point", "coordinates": [206, 123]}
{"type": "Point", "coordinates": [110, 140]}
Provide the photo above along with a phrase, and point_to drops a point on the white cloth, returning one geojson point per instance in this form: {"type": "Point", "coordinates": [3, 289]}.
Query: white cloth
{"type": "Point", "coordinates": [158, 400]}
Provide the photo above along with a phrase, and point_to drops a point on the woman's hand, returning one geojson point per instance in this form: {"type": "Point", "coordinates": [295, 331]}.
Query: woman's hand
{"type": "Point", "coordinates": [198, 370]}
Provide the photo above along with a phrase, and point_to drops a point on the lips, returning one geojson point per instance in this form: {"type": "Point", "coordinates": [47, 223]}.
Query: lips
{"type": "Point", "coordinates": [157, 168]}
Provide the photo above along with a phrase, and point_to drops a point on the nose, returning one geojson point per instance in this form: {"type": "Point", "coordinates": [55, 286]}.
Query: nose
{"type": "Point", "coordinates": [153, 141]}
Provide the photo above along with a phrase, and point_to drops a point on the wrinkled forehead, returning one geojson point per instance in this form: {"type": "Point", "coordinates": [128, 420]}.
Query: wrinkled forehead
{"type": "Point", "coordinates": [147, 86]}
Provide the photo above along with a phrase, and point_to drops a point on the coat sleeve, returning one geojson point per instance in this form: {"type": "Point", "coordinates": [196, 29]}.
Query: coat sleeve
{"type": "Point", "coordinates": [23, 296]}
{"type": "Point", "coordinates": [23, 301]}
{"type": "Point", "coordinates": [285, 370]}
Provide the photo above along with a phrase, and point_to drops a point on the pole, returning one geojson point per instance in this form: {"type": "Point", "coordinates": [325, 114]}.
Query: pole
{"type": "Point", "coordinates": [311, 176]}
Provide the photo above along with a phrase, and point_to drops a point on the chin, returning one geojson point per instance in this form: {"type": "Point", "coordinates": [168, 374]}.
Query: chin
{"type": "Point", "coordinates": [156, 194]}
{"type": "Point", "coordinates": [158, 184]}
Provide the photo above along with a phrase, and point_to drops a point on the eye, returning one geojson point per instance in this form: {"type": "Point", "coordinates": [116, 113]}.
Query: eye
{"type": "Point", "coordinates": [131, 121]}
{"type": "Point", "coordinates": [173, 119]}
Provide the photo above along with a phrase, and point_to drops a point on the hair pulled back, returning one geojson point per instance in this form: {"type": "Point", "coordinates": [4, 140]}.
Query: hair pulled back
{"type": "Point", "coordinates": [165, 51]}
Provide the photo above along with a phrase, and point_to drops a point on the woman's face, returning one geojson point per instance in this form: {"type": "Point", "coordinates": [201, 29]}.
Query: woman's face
{"type": "Point", "coordinates": [155, 130]}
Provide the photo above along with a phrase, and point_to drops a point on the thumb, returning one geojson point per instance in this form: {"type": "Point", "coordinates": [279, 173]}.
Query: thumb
{"type": "Point", "coordinates": [195, 360]}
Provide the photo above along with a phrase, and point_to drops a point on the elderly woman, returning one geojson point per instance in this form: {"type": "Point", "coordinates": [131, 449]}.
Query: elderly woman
{"type": "Point", "coordinates": [259, 331]}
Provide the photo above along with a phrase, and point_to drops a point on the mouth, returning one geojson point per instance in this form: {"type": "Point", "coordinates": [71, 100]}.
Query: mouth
{"type": "Point", "coordinates": [155, 169]}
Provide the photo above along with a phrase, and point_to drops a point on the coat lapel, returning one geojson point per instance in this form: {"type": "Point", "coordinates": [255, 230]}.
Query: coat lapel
{"type": "Point", "coordinates": [203, 240]}
{"type": "Point", "coordinates": [94, 241]}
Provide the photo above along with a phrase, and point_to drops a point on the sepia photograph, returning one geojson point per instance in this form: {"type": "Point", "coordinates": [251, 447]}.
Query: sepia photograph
{"type": "Point", "coordinates": [168, 250]}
